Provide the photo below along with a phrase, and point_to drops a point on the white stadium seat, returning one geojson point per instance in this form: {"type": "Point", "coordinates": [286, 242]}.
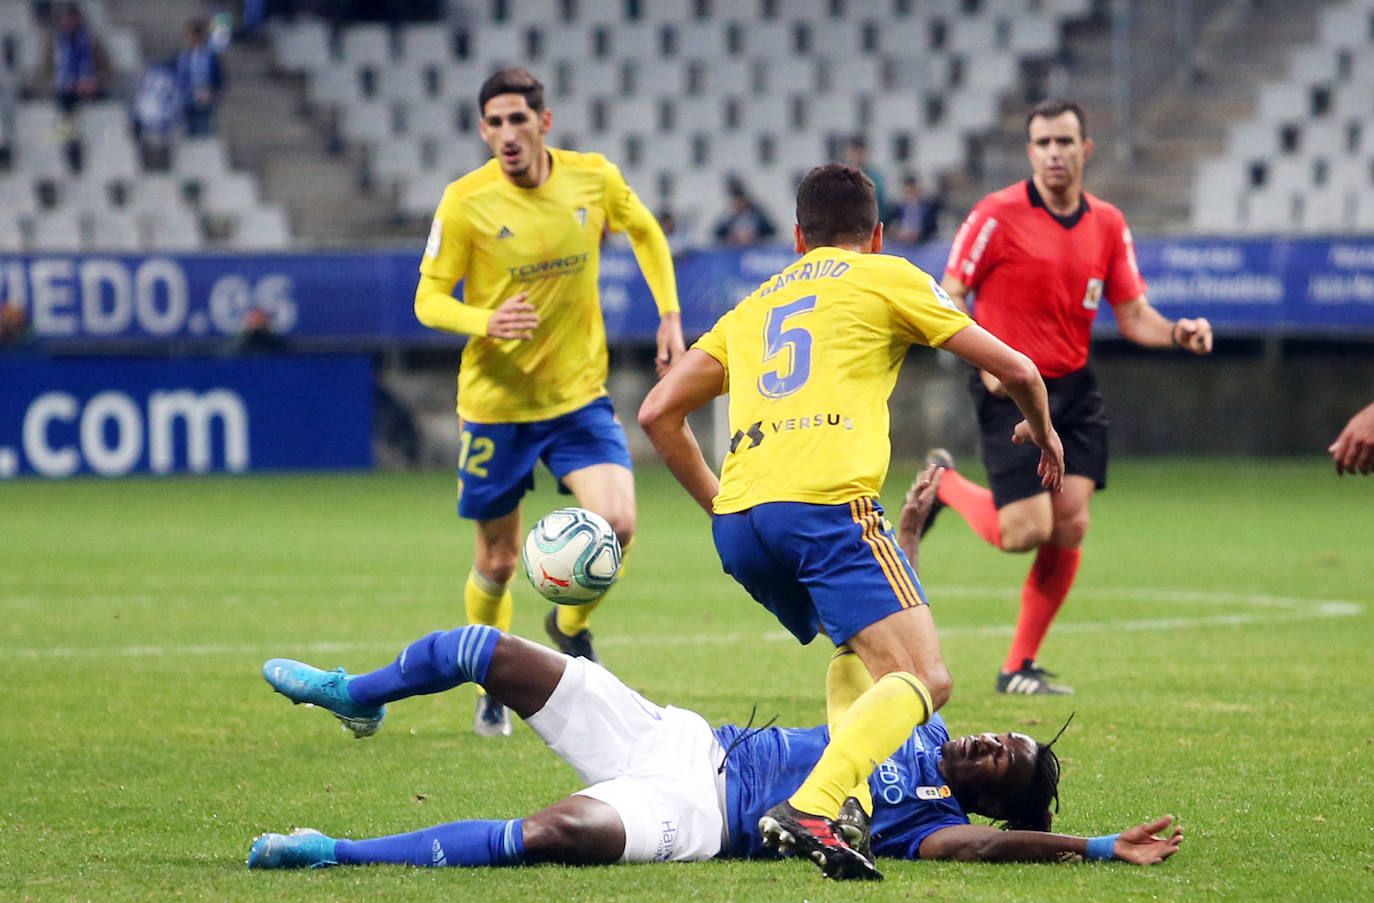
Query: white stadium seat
{"type": "Point", "coordinates": [364, 44]}
{"type": "Point", "coordinates": [58, 230]}
{"type": "Point", "coordinates": [114, 230]}
{"type": "Point", "coordinates": [302, 46]}
{"type": "Point", "coordinates": [172, 231]}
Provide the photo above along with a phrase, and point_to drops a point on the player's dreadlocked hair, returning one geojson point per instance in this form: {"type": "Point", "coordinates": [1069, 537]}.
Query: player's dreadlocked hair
{"type": "Point", "coordinates": [1031, 812]}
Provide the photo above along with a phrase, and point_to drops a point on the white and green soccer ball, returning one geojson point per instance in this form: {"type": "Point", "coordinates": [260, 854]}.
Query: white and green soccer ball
{"type": "Point", "coordinates": [572, 556]}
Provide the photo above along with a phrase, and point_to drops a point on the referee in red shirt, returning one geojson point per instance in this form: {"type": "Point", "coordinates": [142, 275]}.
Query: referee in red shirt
{"type": "Point", "coordinates": [1039, 257]}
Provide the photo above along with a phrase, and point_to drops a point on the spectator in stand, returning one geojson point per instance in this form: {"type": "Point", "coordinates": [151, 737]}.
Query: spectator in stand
{"type": "Point", "coordinates": [856, 155]}
{"type": "Point", "coordinates": [745, 223]}
{"type": "Point", "coordinates": [79, 69]}
{"type": "Point", "coordinates": [200, 78]}
{"type": "Point", "coordinates": [154, 114]}
{"type": "Point", "coordinates": [917, 217]}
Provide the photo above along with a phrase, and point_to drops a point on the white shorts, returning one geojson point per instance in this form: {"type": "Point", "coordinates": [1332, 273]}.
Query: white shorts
{"type": "Point", "coordinates": [655, 765]}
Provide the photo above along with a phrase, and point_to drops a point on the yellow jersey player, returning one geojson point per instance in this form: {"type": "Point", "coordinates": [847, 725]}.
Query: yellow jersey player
{"type": "Point", "coordinates": [523, 233]}
{"type": "Point", "coordinates": [809, 361]}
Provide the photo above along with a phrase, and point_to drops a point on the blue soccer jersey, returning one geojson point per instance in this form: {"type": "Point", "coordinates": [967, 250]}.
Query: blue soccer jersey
{"type": "Point", "coordinates": [910, 798]}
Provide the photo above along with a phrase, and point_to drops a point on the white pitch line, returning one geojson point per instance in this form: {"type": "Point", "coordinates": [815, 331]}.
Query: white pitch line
{"type": "Point", "coordinates": [1271, 609]}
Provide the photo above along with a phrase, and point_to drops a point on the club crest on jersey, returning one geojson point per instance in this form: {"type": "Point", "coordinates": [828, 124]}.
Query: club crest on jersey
{"type": "Point", "coordinates": [436, 238]}
{"type": "Point", "coordinates": [1093, 296]}
{"type": "Point", "coordinates": [933, 793]}
{"type": "Point", "coordinates": [581, 214]}
{"type": "Point", "coordinates": [505, 233]}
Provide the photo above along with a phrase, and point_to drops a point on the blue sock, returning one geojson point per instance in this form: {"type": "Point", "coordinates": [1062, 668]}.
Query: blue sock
{"type": "Point", "coordinates": [438, 662]}
{"type": "Point", "coordinates": [466, 843]}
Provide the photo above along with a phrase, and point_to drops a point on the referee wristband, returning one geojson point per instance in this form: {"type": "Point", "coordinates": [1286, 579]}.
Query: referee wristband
{"type": "Point", "coordinates": [1173, 336]}
{"type": "Point", "coordinates": [1101, 848]}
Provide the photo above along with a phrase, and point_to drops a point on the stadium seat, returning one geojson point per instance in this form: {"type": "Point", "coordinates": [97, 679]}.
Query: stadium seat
{"type": "Point", "coordinates": [982, 35]}
{"type": "Point", "coordinates": [1312, 64]}
{"type": "Point", "coordinates": [334, 84]}
{"type": "Point", "coordinates": [420, 194]}
{"type": "Point", "coordinates": [897, 111]}
{"type": "Point", "coordinates": [46, 161]}
{"type": "Point", "coordinates": [12, 239]}
{"type": "Point", "coordinates": [156, 194]}
{"type": "Point", "coordinates": [58, 230]}
{"type": "Point", "coordinates": [1281, 102]}
{"type": "Point", "coordinates": [1033, 36]}
{"type": "Point", "coordinates": [367, 122]}
{"type": "Point", "coordinates": [1345, 25]}
{"type": "Point", "coordinates": [172, 231]}
{"type": "Point", "coordinates": [17, 194]}
{"type": "Point", "coordinates": [112, 155]}
{"type": "Point", "coordinates": [1271, 210]}
{"type": "Point", "coordinates": [423, 43]}
{"type": "Point", "coordinates": [367, 43]}
{"type": "Point", "coordinates": [1329, 209]}
{"type": "Point", "coordinates": [301, 46]}
{"type": "Point", "coordinates": [1252, 139]}
{"type": "Point", "coordinates": [499, 45]}
{"type": "Point", "coordinates": [263, 228]}
{"type": "Point", "coordinates": [85, 194]}
{"type": "Point", "coordinates": [786, 75]}
{"type": "Point", "coordinates": [230, 193]}
{"type": "Point", "coordinates": [847, 75]}
{"type": "Point", "coordinates": [1218, 188]}
{"type": "Point", "coordinates": [395, 159]}
{"type": "Point", "coordinates": [201, 158]}
{"type": "Point", "coordinates": [114, 230]}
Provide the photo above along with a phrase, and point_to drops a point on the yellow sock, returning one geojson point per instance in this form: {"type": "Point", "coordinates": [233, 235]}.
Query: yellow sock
{"type": "Point", "coordinates": [573, 619]}
{"type": "Point", "coordinates": [876, 724]}
{"type": "Point", "coordinates": [487, 602]}
{"type": "Point", "coordinates": [846, 680]}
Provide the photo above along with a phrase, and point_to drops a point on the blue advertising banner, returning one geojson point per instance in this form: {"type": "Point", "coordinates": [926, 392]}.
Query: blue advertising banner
{"type": "Point", "coordinates": [1253, 286]}
{"type": "Point", "coordinates": [118, 416]}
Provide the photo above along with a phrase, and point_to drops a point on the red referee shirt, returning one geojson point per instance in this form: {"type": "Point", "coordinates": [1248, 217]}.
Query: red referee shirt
{"type": "Point", "coordinates": [1038, 278]}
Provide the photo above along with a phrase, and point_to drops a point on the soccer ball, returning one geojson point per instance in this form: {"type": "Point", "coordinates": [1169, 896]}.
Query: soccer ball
{"type": "Point", "coordinates": [572, 556]}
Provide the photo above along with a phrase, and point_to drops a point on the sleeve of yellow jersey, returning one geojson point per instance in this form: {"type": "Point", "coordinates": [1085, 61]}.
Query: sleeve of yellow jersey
{"type": "Point", "coordinates": [921, 308]}
{"type": "Point", "coordinates": [625, 212]}
{"type": "Point", "coordinates": [445, 261]}
{"type": "Point", "coordinates": [713, 343]}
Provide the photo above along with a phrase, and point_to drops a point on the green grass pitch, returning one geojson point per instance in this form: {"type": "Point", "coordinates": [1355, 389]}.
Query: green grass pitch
{"type": "Point", "coordinates": [1220, 637]}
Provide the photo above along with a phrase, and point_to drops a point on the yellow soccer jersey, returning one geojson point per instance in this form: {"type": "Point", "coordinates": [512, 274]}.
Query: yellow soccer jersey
{"type": "Point", "coordinates": [502, 240]}
{"type": "Point", "coordinates": [811, 358]}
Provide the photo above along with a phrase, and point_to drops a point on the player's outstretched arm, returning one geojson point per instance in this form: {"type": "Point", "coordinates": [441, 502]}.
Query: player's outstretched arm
{"type": "Point", "coordinates": [982, 843]}
{"type": "Point", "coordinates": [920, 499]}
{"type": "Point", "coordinates": [1139, 322]}
{"type": "Point", "coordinates": [1021, 380]}
{"type": "Point", "coordinates": [690, 384]}
{"type": "Point", "coordinates": [1353, 450]}
{"type": "Point", "coordinates": [670, 345]}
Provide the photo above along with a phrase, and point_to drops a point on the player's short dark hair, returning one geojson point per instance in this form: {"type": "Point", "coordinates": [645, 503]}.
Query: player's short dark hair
{"type": "Point", "coordinates": [1058, 106]}
{"type": "Point", "coordinates": [836, 204]}
{"type": "Point", "coordinates": [512, 80]}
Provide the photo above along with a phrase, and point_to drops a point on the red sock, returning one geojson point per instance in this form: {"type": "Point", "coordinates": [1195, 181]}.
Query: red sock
{"type": "Point", "coordinates": [1044, 592]}
{"type": "Point", "coordinates": [974, 504]}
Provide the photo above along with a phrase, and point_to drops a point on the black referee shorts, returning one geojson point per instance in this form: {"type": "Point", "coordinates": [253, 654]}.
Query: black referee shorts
{"type": "Point", "coordinates": [1078, 415]}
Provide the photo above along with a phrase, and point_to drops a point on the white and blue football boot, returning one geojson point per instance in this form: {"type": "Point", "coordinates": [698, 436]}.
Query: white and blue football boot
{"type": "Point", "coordinates": [303, 848]}
{"type": "Point", "coordinates": [307, 685]}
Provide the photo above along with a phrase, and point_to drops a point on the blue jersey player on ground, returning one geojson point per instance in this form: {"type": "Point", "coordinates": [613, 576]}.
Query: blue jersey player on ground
{"type": "Point", "coordinates": [664, 786]}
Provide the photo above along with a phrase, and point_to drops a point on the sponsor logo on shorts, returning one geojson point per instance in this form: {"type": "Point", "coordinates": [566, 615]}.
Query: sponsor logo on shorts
{"type": "Point", "coordinates": [666, 839]}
